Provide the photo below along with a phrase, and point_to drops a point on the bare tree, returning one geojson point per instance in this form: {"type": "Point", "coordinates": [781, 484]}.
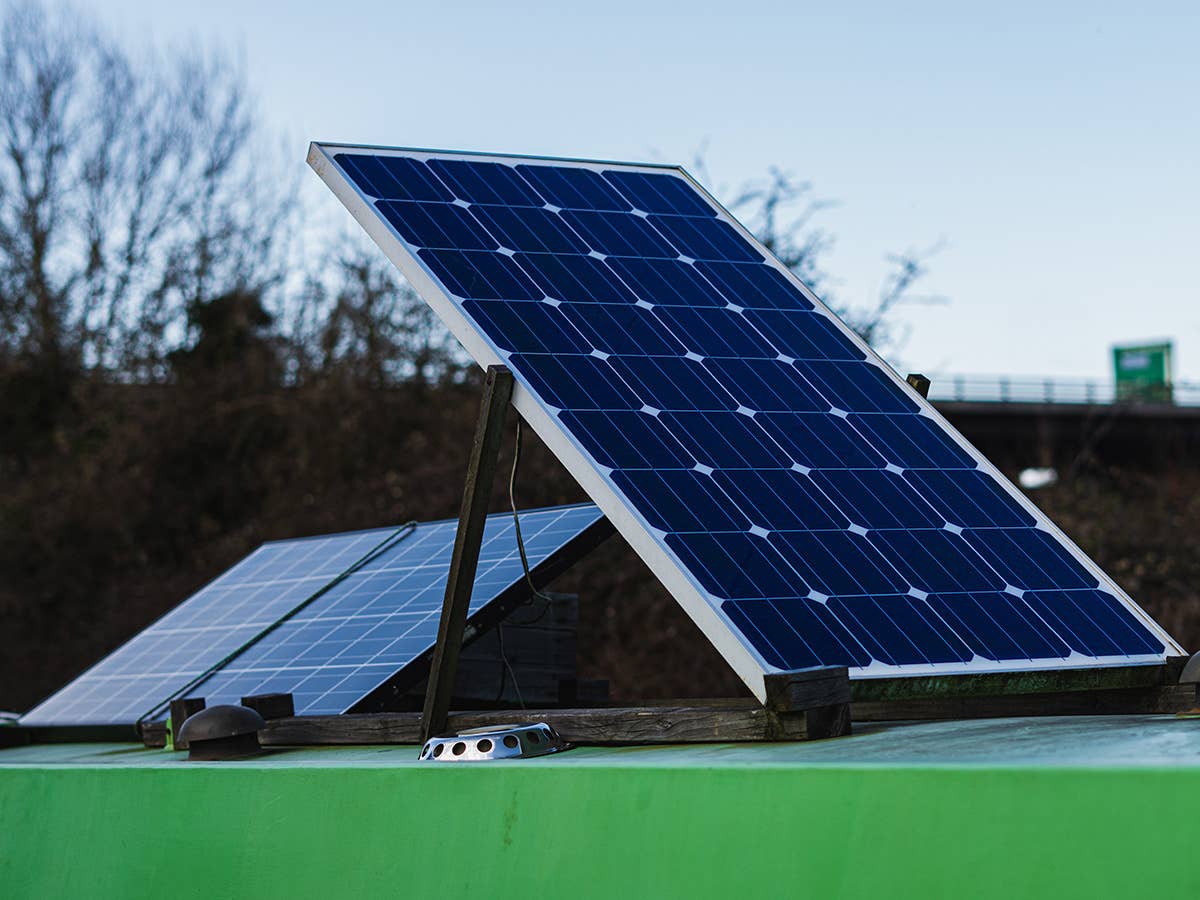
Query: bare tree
{"type": "Point", "coordinates": [129, 191]}
{"type": "Point", "coordinates": [781, 211]}
{"type": "Point", "coordinates": [359, 318]}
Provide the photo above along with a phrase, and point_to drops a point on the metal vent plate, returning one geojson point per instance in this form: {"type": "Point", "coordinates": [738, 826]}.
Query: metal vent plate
{"type": "Point", "coordinates": [495, 742]}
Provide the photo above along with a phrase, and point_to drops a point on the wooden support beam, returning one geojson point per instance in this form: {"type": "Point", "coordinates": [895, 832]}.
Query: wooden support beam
{"type": "Point", "coordinates": [481, 471]}
{"type": "Point", "coordinates": [1046, 681]}
{"type": "Point", "coordinates": [271, 706]}
{"type": "Point", "coordinates": [807, 688]}
{"type": "Point", "coordinates": [154, 734]}
{"type": "Point", "coordinates": [730, 721]}
{"type": "Point", "coordinates": [809, 703]}
{"type": "Point", "coordinates": [1120, 690]}
{"type": "Point", "coordinates": [919, 383]}
{"type": "Point", "coordinates": [1161, 699]}
{"type": "Point", "coordinates": [629, 725]}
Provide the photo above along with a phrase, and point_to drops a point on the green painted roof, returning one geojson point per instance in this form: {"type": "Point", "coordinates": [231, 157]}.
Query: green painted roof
{"type": "Point", "coordinates": [1056, 742]}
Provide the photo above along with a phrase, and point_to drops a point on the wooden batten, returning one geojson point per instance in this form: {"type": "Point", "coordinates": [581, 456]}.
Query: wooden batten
{"type": "Point", "coordinates": [681, 724]}
{"type": "Point", "coordinates": [271, 706]}
{"type": "Point", "coordinates": [481, 469]}
{"type": "Point", "coordinates": [1160, 699]}
{"type": "Point", "coordinates": [1119, 690]}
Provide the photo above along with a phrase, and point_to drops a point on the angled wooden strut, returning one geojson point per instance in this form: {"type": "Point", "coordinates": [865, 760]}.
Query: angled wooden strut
{"type": "Point", "coordinates": [481, 472]}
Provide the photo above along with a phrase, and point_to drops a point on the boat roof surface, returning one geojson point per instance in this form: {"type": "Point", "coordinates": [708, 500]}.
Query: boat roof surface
{"type": "Point", "coordinates": [1151, 741]}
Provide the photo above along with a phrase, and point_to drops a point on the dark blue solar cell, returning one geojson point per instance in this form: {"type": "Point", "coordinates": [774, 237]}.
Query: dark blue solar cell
{"type": "Point", "coordinates": [969, 498]}
{"type": "Point", "coordinates": [1030, 559]}
{"type": "Point", "coordinates": [803, 335]}
{"type": "Point", "coordinates": [486, 182]}
{"type": "Point", "coordinates": [617, 234]}
{"type": "Point", "coordinates": [900, 630]}
{"type": "Point", "coordinates": [624, 329]}
{"type": "Point", "coordinates": [911, 441]}
{"type": "Point", "coordinates": [436, 225]}
{"type": "Point", "coordinates": [754, 286]}
{"type": "Point", "coordinates": [666, 382]}
{"type": "Point", "coordinates": [779, 499]}
{"type": "Point", "coordinates": [818, 441]}
{"type": "Point", "coordinates": [1072, 624]}
{"type": "Point", "coordinates": [704, 238]}
{"type": "Point", "coordinates": [666, 282]}
{"type": "Point", "coordinates": [855, 387]}
{"type": "Point", "coordinates": [527, 327]}
{"type": "Point", "coordinates": [568, 187]}
{"type": "Point", "coordinates": [529, 230]}
{"type": "Point", "coordinates": [575, 279]}
{"type": "Point", "coordinates": [733, 565]}
{"type": "Point", "coordinates": [784, 649]}
{"type": "Point", "coordinates": [796, 633]}
{"type": "Point", "coordinates": [680, 500]}
{"type": "Point", "coordinates": [1093, 623]}
{"type": "Point", "coordinates": [474, 275]}
{"type": "Point", "coordinates": [873, 498]}
{"type": "Point", "coordinates": [658, 193]}
{"type": "Point", "coordinates": [725, 440]}
{"type": "Point", "coordinates": [765, 385]}
{"type": "Point", "coordinates": [575, 382]}
{"type": "Point", "coordinates": [393, 177]}
{"type": "Point", "coordinates": [710, 331]}
{"type": "Point", "coordinates": [999, 626]}
{"type": "Point", "coordinates": [627, 440]}
{"type": "Point", "coordinates": [837, 562]}
{"type": "Point", "coordinates": [933, 561]}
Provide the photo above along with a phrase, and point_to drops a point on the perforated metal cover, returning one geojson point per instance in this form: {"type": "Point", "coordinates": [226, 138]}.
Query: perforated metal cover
{"type": "Point", "coordinates": [495, 742]}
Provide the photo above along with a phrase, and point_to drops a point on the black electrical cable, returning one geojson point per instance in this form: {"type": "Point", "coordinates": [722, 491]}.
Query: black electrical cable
{"type": "Point", "coordinates": [533, 589]}
{"type": "Point", "coordinates": [512, 500]}
{"type": "Point", "coordinates": [507, 668]}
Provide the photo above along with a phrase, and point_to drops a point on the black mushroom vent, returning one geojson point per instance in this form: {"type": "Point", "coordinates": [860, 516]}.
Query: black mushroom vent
{"type": "Point", "coordinates": [222, 732]}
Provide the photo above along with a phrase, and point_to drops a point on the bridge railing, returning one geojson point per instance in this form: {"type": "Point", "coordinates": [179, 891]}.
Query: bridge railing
{"type": "Point", "coordinates": [1079, 391]}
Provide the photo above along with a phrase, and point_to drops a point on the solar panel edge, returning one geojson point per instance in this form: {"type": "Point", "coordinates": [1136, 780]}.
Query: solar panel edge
{"type": "Point", "coordinates": [706, 612]}
{"type": "Point", "coordinates": [713, 623]}
{"type": "Point", "coordinates": [546, 567]}
{"type": "Point", "coordinates": [423, 523]}
{"type": "Point", "coordinates": [321, 151]}
{"type": "Point", "coordinates": [30, 718]}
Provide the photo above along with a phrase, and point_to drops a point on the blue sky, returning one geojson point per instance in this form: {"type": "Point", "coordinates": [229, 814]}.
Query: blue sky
{"type": "Point", "coordinates": [1055, 148]}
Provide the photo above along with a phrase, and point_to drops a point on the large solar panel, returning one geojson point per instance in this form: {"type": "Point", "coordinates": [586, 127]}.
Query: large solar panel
{"type": "Point", "coordinates": [374, 626]}
{"type": "Point", "coordinates": [802, 503]}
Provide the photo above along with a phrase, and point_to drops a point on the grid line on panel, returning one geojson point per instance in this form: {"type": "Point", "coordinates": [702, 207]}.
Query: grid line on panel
{"type": "Point", "coordinates": [808, 495]}
{"type": "Point", "coordinates": [362, 608]}
{"type": "Point", "coordinates": [388, 543]}
{"type": "Point", "coordinates": [383, 618]}
{"type": "Point", "coordinates": [204, 628]}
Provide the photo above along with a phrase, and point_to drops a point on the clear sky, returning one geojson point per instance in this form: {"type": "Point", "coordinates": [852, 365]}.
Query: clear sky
{"type": "Point", "coordinates": [1055, 147]}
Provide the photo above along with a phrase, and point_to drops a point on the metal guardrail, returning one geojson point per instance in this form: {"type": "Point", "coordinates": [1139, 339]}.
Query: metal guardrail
{"type": "Point", "coordinates": [1077, 391]}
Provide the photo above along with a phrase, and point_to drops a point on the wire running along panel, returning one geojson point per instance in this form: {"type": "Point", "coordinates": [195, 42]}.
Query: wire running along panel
{"type": "Point", "coordinates": [366, 629]}
{"type": "Point", "coordinates": [804, 505]}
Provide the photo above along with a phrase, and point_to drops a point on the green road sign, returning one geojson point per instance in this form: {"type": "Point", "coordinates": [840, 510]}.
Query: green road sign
{"type": "Point", "coordinates": [1143, 372]}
